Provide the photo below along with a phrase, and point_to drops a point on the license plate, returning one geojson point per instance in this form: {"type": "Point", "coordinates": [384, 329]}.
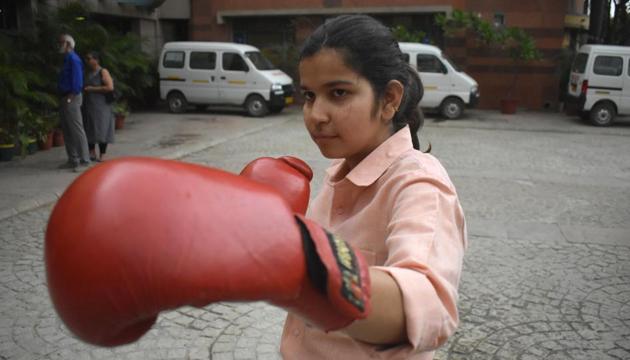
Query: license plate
{"type": "Point", "coordinates": [288, 100]}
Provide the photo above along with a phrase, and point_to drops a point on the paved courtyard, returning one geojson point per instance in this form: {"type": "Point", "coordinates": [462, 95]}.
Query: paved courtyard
{"type": "Point", "coordinates": [546, 275]}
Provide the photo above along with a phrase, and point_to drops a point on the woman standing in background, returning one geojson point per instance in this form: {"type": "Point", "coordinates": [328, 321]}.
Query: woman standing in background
{"type": "Point", "coordinates": [98, 117]}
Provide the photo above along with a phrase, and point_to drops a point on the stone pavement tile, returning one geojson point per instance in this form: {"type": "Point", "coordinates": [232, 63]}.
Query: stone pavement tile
{"type": "Point", "coordinates": [535, 231]}
{"type": "Point", "coordinates": [596, 235]}
{"type": "Point", "coordinates": [485, 228]}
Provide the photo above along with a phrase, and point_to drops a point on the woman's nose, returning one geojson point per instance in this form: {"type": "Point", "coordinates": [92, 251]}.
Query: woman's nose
{"type": "Point", "coordinates": [317, 112]}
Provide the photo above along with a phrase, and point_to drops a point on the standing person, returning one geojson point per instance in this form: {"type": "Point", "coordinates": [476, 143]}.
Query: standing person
{"type": "Point", "coordinates": [70, 85]}
{"type": "Point", "coordinates": [99, 119]}
{"type": "Point", "coordinates": [382, 195]}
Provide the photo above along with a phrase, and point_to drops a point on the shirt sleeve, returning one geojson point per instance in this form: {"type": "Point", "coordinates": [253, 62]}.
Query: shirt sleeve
{"type": "Point", "coordinates": [77, 76]}
{"type": "Point", "coordinates": [426, 242]}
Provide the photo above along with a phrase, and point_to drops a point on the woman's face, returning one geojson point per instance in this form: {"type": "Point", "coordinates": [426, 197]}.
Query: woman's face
{"type": "Point", "coordinates": [339, 109]}
{"type": "Point", "coordinates": [91, 61]}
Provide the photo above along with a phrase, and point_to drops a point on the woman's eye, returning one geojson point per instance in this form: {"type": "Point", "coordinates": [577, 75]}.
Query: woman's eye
{"type": "Point", "coordinates": [339, 93]}
{"type": "Point", "coordinates": [308, 95]}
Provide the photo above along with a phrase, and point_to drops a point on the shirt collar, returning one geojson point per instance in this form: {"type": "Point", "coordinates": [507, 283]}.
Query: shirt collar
{"type": "Point", "coordinates": [379, 160]}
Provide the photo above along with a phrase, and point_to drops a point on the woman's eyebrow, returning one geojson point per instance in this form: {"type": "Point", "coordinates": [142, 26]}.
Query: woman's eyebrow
{"type": "Point", "coordinates": [332, 84]}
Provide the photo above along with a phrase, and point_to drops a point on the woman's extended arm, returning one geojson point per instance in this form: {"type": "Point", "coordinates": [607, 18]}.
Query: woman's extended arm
{"type": "Point", "coordinates": [386, 322]}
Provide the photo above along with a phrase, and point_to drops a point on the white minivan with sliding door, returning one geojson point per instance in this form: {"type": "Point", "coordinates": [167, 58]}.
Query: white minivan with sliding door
{"type": "Point", "coordinates": [446, 88]}
{"type": "Point", "coordinates": [599, 84]}
{"type": "Point", "coordinates": [214, 73]}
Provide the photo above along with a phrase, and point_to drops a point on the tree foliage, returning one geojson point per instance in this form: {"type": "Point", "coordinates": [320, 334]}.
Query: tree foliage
{"type": "Point", "coordinates": [29, 69]}
{"type": "Point", "coordinates": [402, 34]}
{"type": "Point", "coordinates": [514, 41]}
{"type": "Point", "coordinates": [518, 44]}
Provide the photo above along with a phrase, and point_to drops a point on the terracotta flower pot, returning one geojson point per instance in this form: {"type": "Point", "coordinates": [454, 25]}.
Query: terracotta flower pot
{"type": "Point", "coordinates": [508, 106]}
{"type": "Point", "coordinates": [46, 143]}
{"type": "Point", "coordinates": [58, 138]}
{"type": "Point", "coordinates": [120, 121]}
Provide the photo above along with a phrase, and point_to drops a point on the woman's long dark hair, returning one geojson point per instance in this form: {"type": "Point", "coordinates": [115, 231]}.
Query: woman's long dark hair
{"type": "Point", "coordinates": [370, 49]}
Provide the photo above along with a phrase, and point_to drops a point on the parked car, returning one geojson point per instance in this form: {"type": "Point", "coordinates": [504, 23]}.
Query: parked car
{"type": "Point", "coordinates": [215, 73]}
{"type": "Point", "coordinates": [599, 85]}
{"type": "Point", "coordinates": [446, 88]}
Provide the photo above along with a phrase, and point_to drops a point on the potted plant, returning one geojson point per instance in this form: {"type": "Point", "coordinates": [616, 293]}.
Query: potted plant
{"type": "Point", "coordinates": [521, 49]}
{"type": "Point", "coordinates": [45, 132]}
{"type": "Point", "coordinates": [515, 42]}
{"type": "Point", "coordinates": [121, 111]}
{"type": "Point", "coordinates": [7, 143]}
{"type": "Point", "coordinates": [23, 92]}
{"type": "Point", "coordinates": [27, 132]}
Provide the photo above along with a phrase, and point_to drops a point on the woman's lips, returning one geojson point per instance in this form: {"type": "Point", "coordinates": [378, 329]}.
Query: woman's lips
{"type": "Point", "coordinates": [324, 137]}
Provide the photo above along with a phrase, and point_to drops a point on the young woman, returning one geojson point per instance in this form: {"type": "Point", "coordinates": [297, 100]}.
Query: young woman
{"type": "Point", "coordinates": [381, 194]}
{"type": "Point", "coordinates": [98, 117]}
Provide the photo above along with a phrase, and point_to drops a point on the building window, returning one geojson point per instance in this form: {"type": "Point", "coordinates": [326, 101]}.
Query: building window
{"type": "Point", "coordinates": [499, 20]}
{"type": "Point", "coordinates": [608, 65]}
{"type": "Point", "coordinates": [8, 15]}
{"type": "Point", "coordinates": [203, 60]}
{"type": "Point", "coordinates": [234, 62]}
{"type": "Point", "coordinates": [174, 59]}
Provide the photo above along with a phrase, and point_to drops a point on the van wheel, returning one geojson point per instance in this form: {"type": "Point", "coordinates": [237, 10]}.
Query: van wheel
{"type": "Point", "coordinates": [452, 108]}
{"type": "Point", "coordinates": [602, 114]}
{"type": "Point", "coordinates": [177, 102]}
{"type": "Point", "coordinates": [256, 106]}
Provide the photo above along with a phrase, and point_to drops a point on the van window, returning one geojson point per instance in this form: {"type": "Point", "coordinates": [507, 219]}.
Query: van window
{"type": "Point", "coordinates": [173, 59]}
{"type": "Point", "coordinates": [203, 60]}
{"type": "Point", "coordinates": [234, 62]}
{"type": "Point", "coordinates": [579, 64]}
{"type": "Point", "coordinates": [260, 62]}
{"type": "Point", "coordinates": [429, 64]}
{"type": "Point", "coordinates": [608, 65]}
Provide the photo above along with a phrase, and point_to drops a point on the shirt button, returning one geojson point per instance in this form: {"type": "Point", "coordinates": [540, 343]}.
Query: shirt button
{"type": "Point", "coordinates": [339, 210]}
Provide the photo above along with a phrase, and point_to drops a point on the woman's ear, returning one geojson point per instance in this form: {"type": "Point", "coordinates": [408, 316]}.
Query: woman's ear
{"type": "Point", "coordinates": [391, 99]}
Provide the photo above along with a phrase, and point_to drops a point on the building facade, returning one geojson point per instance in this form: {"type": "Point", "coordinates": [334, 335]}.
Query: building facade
{"type": "Point", "coordinates": [282, 25]}
{"type": "Point", "coordinates": [156, 21]}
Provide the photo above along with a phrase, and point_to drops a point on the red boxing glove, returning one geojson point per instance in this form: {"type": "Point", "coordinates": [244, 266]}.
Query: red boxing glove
{"type": "Point", "coordinates": [289, 175]}
{"type": "Point", "coordinates": [133, 237]}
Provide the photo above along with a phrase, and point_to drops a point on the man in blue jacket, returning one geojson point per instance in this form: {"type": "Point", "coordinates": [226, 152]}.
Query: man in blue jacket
{"type": "Point", "coordinates": [70, 86]}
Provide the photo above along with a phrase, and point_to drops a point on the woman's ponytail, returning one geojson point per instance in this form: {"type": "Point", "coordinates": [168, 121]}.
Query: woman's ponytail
{"type": "Point", "coordinates": [409, 112]}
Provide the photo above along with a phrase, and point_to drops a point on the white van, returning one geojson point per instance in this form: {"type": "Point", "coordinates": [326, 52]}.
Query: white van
{"type": "Point", "coordinates": [599, 85]}
{"type": "Point", "coordinates": [215, 73]}
{"type": "Point", "coordinates": [446, 88]}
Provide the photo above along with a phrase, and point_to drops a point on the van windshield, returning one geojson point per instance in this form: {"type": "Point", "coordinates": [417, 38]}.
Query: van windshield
{"type": "Point", "coordinates": [260, 62]}
{"type": "Point", "coordinates": [579, 64]}
{"type": "Point", "coordinates": [452, 63]}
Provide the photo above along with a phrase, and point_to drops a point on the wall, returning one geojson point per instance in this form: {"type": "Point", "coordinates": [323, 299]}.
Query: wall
{"type": "Point", "coordinates": [537, 82]}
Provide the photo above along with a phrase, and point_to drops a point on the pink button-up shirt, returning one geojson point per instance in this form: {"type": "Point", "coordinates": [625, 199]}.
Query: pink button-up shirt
{"type": "Point", "coordinates": [400, 209]}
